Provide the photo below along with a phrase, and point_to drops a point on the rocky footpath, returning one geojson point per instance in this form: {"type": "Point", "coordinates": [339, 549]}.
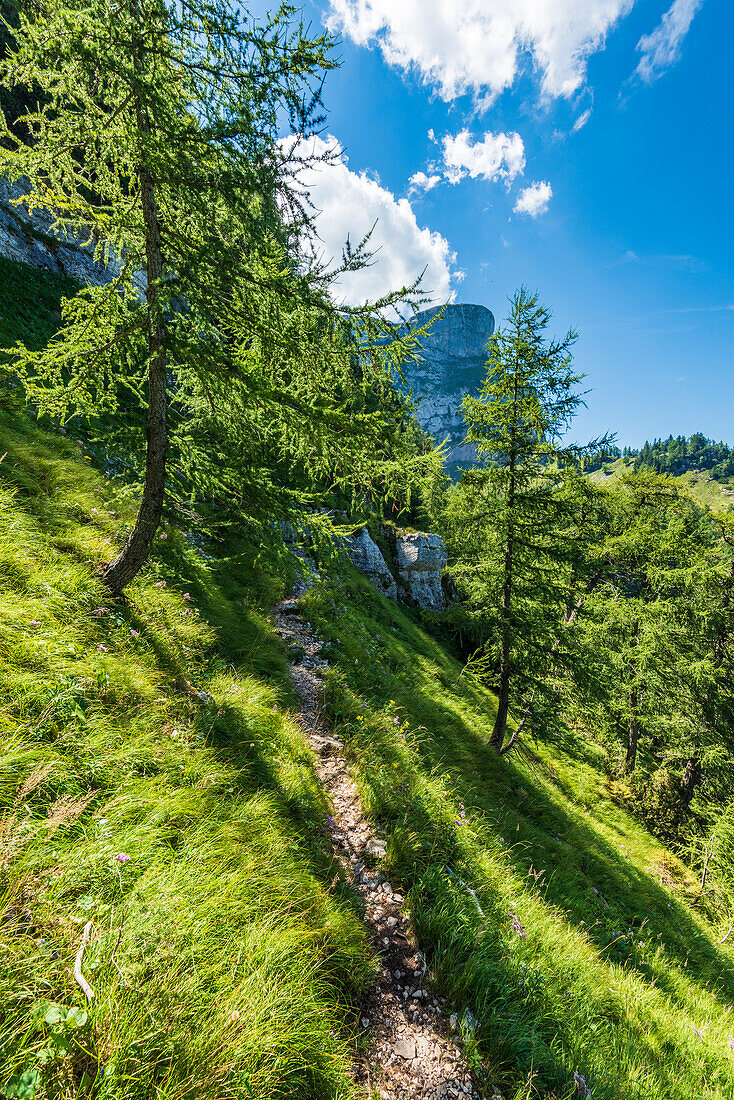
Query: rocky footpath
{"type": "Point", "coordinates": [410, 1052]}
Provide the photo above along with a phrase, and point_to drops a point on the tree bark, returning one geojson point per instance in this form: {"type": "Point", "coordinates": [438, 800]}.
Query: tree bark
{"type": "Point", "coordinates": [136, 550]}
{"type": "Point", "coordinates": [503, 697]}
{"type": "Point", "coordinates": [692, 776]}
{"type": "Point", "coordinates": [633, 735]}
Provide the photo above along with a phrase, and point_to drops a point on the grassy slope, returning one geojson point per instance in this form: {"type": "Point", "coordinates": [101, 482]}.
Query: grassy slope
{"type": "Point", "coordinates": [610, 972]}
{"type": "Point", "coordinates": [223, 962]}
{"type": "Point", "coordinates": [29, 303]}
{"type": "Point", "coordinates": [716, 495]}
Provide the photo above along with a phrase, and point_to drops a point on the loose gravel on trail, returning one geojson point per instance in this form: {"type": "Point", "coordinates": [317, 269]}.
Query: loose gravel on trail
{"type": "Point", "coordinates": [410, 1052]}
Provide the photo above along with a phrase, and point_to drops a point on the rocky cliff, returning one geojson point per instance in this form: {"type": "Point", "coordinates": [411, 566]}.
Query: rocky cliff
{"type": "Point", "coordinates": [33, 239]}
{"type": "Point", "coordinates": [451, 364]}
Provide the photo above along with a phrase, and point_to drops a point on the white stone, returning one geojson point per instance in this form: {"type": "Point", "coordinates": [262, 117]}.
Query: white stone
{"type": "Point", "coordinates": [404, 1048]}
{"type": "Point", "coordinates": [421, 560]}
{"type": "Point", "coordinates": [366, 556]}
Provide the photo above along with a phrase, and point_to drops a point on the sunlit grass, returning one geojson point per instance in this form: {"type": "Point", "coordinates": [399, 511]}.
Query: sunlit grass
{"type": "Point", "coordinates": [155, 729]}
{"type": "Point", "coordinates": [588, 955]}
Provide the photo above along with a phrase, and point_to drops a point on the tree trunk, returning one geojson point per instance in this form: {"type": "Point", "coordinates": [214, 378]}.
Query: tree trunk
{"type": "Point", "coordinates": [503, 697]}
{"type": "Point", "coordinates": [497, 739]}
{"type": "Point", "coordinates": [633, 735]}
{"type": "Point", "coordinates": [691, 778]}
{"type": "Point", "coordinates": [136, 550]}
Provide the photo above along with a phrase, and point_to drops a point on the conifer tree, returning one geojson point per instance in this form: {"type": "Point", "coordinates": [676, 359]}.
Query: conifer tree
{"type": "Point", "coordinates": [156, 137]}
{"type": "Point", "coordinates": [510, 519]}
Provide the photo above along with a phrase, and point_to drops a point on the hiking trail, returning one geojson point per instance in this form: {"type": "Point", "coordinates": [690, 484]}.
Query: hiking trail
{"type": "Point", "coordinates": [411, 1053]}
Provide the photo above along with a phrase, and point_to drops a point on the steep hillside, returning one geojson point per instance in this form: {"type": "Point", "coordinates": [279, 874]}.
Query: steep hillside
{"type": "Point", "coordinates": [162, 824]}
{"type": "Point", "coordinates": [709, 492]}
{"type": "Point", "coordinates": [571, 943]}
{"type": "Point", "coordinates": [154, 785]}
{"type": "Point", "coordinates": [157, 791]}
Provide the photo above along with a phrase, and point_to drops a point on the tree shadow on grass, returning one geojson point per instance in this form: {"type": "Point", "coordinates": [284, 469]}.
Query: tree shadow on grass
{"type": "Point", "coordinates": [586, 882]}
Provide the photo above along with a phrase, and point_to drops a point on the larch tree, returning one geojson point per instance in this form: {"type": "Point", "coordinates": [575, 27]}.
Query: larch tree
{"type": "Point", "coordinates": [511, 521]}
{"type": "Point", "coordinates": [157, 137]}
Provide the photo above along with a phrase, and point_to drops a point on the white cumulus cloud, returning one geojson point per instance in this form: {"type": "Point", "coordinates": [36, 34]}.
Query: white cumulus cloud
{"type": "Point", "coordinates": [480, 46]}
{"type": "Point", "coordinates": [349, 204]}
{"type": "Point", "coordinates": [496, 156]}
{"type": "Point", "coordinates": [661, 48]}
{"type": "Point", "coordinates": [421, 182]}
{"type": "Point", "coordinates": [533, 200]}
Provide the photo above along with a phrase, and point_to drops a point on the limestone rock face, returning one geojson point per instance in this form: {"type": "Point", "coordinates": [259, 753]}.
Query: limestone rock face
{"type": "Point", "coordinates": [32, 239]}
{"type": "Point", "coordinates": [421, 559]}
{"type": "Point", "coordinates": [366, 556]}
{"type": "Point", "coordinates": [451, 363]}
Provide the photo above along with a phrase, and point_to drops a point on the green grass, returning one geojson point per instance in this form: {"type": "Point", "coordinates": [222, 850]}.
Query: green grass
{"type": "Point", "coordinates": [30, 303]}
{"type": "Point", "coordinates": [225, 963]}
{"type": "Point", "coordinates": [610, 970]}
{"type": "Point", "coordinates": [227, 956]}
{"type": "Point", "coordinates": [705, 490]}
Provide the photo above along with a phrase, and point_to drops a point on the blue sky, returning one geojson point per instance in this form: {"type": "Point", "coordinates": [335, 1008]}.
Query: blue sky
{"type": "Point", "coordinates": [624, 224]}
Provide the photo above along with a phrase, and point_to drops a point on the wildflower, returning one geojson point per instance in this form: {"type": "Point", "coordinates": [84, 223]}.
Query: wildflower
{"type": "Point", "coordinates": [160, 584]}
{"type": "Point", "coordinates": [594, 890]}
{"type": "Point", "coordinates": [517, 926]}
{"type": "Point", "coordinates": [121, 857]}
{"type": "Point", "coordinates": [396, 721]}
{"type": "Point", "coordinates": [164, 535]}
{"type": "Point", "coordinates": [102, 648]}
{"type": "Point", "coordinates": [581, 1086]}
{"type": "Point", "coordinates": [34, 622]}
{"type": "Point", "coordinates": [187, 595]}
{"type": "Point", "coordinates": [101, 611]}
{"type": "Point", "coordinates": [730, 1044]}
{"type": "Point", "coordinates": [95, 512]}
{"type": "Point", "coordinates": [330, 821]}
{"type": "Point", "coordinates": [275, 707]}
{"type": "Point", "coordinates": [135, 633]}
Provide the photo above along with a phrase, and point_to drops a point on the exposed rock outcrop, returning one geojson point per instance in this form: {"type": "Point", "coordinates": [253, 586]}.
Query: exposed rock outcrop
{"type": "Point", "coordinates": [421, 560]}
{"type": "Point", "coordinates": [418, 558]}
{"type": "Point", "coordinates": [367, 557]}
{"type": "Point", "coordinates": [451, 364]}
{"type": "Point", "coordinates": [32, 239]}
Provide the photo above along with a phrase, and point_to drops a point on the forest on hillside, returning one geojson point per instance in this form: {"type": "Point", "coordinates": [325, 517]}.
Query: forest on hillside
{"type": "Point", "coordinates": [164, 449]}
{"type": "Point", "coordinates": [674, 455]}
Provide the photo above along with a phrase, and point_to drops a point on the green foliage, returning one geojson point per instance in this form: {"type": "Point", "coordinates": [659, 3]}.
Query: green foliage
{"type": "Point", "coordinates": [509, 523]}
{"type": "Point", "coordinates": [221, 958]}
{"type": "Point", "coordinates": [158, 139]}
{"type": "Point", "coordinates": [30, 303]}
{"type": "Point", "coordinates": [610, 967]}
{"type": "Point", "coordinates": [678, 456]}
